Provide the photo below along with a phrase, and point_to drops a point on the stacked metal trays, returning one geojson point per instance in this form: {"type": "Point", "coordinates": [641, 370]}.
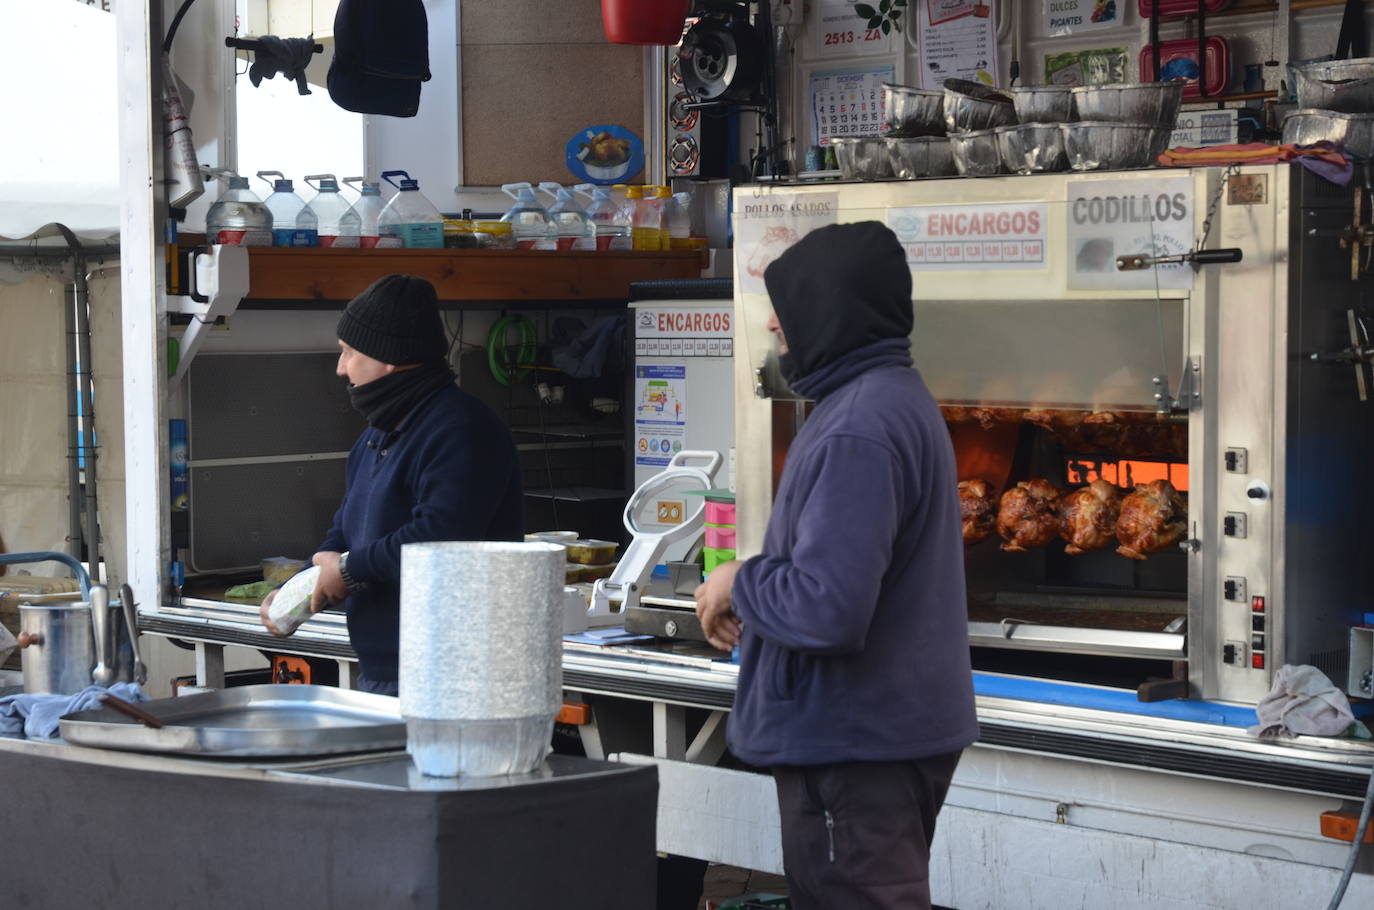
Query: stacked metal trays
{"type": "Point", "coordinates": [972, 106]}
{"type": "Point", "coordinates": [1154, 103]}
{"type": "Point", "coordinates": [976, 153]}
{"type": "Point", "coordinates": [1344, 86]}
{"type": "Point", "coordinates": [1042, 103]}
{"type": "Point", "coordinates": [920, 156]}
{"type": "Point", "coordinates": [1102, 145]}
{"type": "Point", "coordinates": [1031, 148]}
{"type": "Point", "coordinates": [862, 158]}
{"type": "Point", "coordinates": [1354, 133]}
{"type": "Point", "coordinates": [912, 112]}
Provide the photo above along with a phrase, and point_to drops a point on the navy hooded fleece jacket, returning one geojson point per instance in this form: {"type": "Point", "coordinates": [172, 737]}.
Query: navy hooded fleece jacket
{"type": "Point", "coordinates": [855, 639]}
{"type": "Point", "coordinates": [449, 472]}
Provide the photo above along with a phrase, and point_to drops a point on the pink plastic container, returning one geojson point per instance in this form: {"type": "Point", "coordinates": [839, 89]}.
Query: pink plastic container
{"type": "Point", "coordinates": [720, 538]}
{"type": "Point", "coordinates": [720, 513]}
{"type": "Point", "coordinates": [1181, 56]}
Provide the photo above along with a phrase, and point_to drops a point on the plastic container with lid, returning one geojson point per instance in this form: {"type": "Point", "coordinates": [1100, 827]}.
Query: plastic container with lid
{"type": "Point", "coordinates": [679, 218]}
{"type": "Point", "coordinates": [493, 235]}
{"type": "Point", "coordinates": [411, 217]}
{"type": "Point", "coordinates": [339, 225]}
{"type": "Point", "coordinates": [647, 224]}
{"type": "Point", "coordinates": [238, 216]}
{"type": "Point", "coordinates": [570, 222]}
{"type": "Point", "coordinates": [611, 223]}
{"type": "Point", "coordinates": [292, 223]}
{"type": "Point", "coordinates": [369, 208]}
{"type": "Point", "coordinates": [528, 220]}
{"type": "Point", "coordinates": [459, 234]}
{"type": "Point", "coordinates": [663, 200]}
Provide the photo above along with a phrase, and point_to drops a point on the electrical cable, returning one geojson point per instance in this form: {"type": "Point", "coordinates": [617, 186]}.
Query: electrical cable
{"type": "Point", "coordinates": [1354, 845]}
{"type": "Point", "coordinates": [176, 23]}
{"type": "Point", "coordinates": [505, 367]}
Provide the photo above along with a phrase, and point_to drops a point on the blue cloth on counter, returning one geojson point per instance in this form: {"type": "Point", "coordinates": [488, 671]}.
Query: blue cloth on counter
{"type": "Point", "coordinates": [36, 716]}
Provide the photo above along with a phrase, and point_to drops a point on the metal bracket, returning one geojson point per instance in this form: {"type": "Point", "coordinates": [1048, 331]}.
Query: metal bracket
{"type": "Point", "coordinates": [219, 281]}
{"type": "Point", "coordinates": [1190, 385]}
{"type": "Point", "coordinates": [1359, 354]}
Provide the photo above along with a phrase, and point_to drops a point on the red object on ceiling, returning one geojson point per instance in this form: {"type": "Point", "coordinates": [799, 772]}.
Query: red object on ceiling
{"type": "Point", "coordinates": [644, 21]}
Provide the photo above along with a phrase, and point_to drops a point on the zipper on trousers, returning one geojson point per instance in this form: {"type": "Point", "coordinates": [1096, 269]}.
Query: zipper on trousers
{"type": "Point", "coordinates": [830, 832]}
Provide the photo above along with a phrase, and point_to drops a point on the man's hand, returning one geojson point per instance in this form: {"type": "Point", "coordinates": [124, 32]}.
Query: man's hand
{"type": "Point", "coordinates": [713, 606]}
{"type": "Point", "coordinates": [330, 588]}
{"type": "Point", "coordinates": [266, 619]}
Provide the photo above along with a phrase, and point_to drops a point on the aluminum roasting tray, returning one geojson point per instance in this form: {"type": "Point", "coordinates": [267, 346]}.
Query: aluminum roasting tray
{"type": "Point", "coordinates": [260, 721]}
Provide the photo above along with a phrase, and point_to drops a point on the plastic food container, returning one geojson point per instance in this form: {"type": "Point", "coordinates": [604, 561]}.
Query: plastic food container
{"type": "Point", "coordinates": [720, 513]}
{"type": "Point", "coordinates": [553, 536]}
{"type": "Point", "coordinates": [590, 552]}
{"type": "Point", "coordinates": [1178, 61]}
{"type": "Point", "coordinates": [592, 573]}
{"type": "Point", "coordinates": [458, 235]}
{"type": "Point", "coordinates": [720, 538]}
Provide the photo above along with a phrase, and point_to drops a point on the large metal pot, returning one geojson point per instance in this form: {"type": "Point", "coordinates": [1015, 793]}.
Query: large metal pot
{"type": "Point", "coordinates": [63, 649]}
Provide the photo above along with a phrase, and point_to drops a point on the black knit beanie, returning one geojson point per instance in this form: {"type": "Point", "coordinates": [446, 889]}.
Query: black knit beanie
{"type": "Point", "coordinates": [396, 320]}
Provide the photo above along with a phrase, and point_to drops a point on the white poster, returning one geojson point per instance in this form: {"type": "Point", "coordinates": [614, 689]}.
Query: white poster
{"type": "Point", "coordinates": [1111, 218]}
{"type": "Point", "coordinates": [975, 237]}
{"type": "Point", "coordinates": [848, 103]}
{"type": "Point", "coordinates": [767, 224]}
{"type": "Point", "coordinates": [1067, 17]}
{"type": "Point", "coordinates": [660, 413]}
{"type": "Point", "coordinates": [958, 40]}
{"type": "Point", "coordinates": [842, 27]}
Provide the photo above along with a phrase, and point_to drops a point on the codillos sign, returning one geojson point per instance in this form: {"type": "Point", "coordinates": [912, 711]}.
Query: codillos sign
{"type": "Point", "coordinates": [1111, 218]}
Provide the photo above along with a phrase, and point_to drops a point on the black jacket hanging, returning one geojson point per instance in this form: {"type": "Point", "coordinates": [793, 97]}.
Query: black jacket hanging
{"type": "Point", "coordinates": [381, 55]}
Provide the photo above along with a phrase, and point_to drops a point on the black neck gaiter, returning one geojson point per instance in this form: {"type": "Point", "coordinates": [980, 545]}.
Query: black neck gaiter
{"type": "Point", "coordinates": [386, 401]}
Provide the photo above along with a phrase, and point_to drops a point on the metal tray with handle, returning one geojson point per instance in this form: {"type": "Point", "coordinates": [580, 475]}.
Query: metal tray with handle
{"type": "Point", "coordinates": [259, 721]}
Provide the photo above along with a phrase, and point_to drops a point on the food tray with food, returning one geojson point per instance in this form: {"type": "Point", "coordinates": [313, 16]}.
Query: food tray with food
{"type": "Point", "coordinates": [590, 552]}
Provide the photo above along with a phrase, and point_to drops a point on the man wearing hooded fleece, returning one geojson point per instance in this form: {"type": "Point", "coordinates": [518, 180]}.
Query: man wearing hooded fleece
{"type": "Point", "coordinates": [855, 684]}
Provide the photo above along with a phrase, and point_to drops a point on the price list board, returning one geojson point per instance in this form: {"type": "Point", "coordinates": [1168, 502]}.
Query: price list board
{"type": "Point", "coordinates": [848, 103]}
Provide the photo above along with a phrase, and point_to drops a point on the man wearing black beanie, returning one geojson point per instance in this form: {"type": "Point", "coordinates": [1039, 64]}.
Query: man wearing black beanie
{"type": "Point", "coordinates": [433, 464]}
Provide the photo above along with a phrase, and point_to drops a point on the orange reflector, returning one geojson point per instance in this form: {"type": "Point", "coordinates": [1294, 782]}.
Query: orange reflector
{"type": "Point", "coordinates": [1340, 825]}
{"type": "Point", "coordinates": [575, 713]}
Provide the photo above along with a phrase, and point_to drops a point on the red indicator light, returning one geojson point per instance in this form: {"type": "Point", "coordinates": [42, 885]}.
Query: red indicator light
{"type": "Point", "coordinates": [1257, 661]}
{"type": "Point", "coordinates": [1257, 603]}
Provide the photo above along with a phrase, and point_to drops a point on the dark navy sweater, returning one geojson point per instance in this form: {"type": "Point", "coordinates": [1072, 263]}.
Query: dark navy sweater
{"type": "Point", "coordinates": [449, 472]}
{"type": "Point", "coordinates": [855, 642]}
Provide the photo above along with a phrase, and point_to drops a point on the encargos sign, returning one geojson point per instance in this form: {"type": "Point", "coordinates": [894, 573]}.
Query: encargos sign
{"type": "Point", "coordinates": [1002, 235]}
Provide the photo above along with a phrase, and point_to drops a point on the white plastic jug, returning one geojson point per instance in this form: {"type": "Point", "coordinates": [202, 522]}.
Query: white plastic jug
{"type": "Point", "coordinates": [410, 216]}
{"type": "Point", "coordinates": [338, 225]}
{"type": "Point", "coordinates": [369, 208]}
{"type": "Point", "coordinates": [292, 223]}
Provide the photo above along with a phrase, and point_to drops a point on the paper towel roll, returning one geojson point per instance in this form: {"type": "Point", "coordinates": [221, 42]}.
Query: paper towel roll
{"type": "Point", "coordinates": [481, 630]}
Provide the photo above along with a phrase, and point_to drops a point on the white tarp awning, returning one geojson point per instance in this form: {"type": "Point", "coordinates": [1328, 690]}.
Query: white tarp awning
{"type": "Point", "coordinates": [59, 160]}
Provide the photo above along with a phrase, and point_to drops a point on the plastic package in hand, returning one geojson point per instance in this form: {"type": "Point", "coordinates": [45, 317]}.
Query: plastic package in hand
{"type": "Point", "coordinates": [291, 606]}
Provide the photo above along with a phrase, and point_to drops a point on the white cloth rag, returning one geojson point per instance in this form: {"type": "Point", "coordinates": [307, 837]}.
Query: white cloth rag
{"type": "Point", "coordinates": [1302, 702]}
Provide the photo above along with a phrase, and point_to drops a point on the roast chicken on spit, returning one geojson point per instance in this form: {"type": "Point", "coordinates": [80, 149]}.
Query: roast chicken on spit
{"type": "Point", "coordinates": [1152, 518]}
{"type": "Point", "coordinates": [978, 508]}
{"type": "Point", "coordinates": [1028, 516]}
{"type": "Point", "coordinates": [1087, 516]}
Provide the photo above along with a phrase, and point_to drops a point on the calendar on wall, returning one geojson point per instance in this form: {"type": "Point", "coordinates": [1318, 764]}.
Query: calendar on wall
{"type": "Point", "coordinates": [847, 103]}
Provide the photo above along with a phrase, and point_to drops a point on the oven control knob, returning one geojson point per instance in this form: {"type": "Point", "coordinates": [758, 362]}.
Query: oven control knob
{"type": "Point", "coordinates": [670, 628]}
{"type": "Point", "coordinates": [1257, 489]}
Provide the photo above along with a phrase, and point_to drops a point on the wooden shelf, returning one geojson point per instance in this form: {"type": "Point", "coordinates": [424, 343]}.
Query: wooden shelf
{"type": "Point", "coordinates": [328, 278]}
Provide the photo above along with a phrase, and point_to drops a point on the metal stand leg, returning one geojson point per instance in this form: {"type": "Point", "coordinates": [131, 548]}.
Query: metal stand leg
{"type": "Point", "coordinates": [670, 731]}
{"type": "Point", "coordinates": [348, 674]}
{"type": "Point", "coordinates": [709, 744]}
{"type": "Point", "coordinates": [209, 665]}
{"type": "Point", "coordinates": [590, 734]}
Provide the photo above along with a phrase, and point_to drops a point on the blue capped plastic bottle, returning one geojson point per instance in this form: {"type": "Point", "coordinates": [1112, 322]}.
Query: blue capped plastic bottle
{"type": "Point", "coordinates": [292, 223]}
{"type": "Point", "coordinates": [339, 226]}
{"type": "Point", "coordinates": [410, 216]}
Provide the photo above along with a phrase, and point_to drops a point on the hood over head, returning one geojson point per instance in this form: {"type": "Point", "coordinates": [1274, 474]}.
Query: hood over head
{"type": "Point", "coordinates": [839, 288]}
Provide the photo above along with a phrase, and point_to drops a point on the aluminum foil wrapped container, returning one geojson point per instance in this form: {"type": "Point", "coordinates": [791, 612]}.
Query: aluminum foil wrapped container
{"type": "Point", "coordinates": [976, 154]}
{"type": "Point", "coordinates": [913, 111]}
{"type": "Point", "coordinates": [1336, 85]}
{"type": "Point", "coordinates": [1095, 145]}
{"type": "Point", "coordinates": [973, 106]}
{"type": "Point", "coordinates": [1354, 133]}
{"type": "Point", "coordinates": [1155, 103]}
{"type": "Point", "coordinates": [922, 156]}
{"type": "Point", "coordinates": [1042, 103]}
{"type": "Point", "coordinates": [1032, 148]}
{"type": "Point", "coordinates": [862, 158]}
{"type": "Point", "coordinates": [481, 654]}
